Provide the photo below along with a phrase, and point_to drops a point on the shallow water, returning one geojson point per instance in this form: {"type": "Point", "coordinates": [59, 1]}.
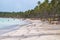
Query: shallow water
{"type": "Point", "coordinates": [7, 22]}
{"type": "Point", "coordinates": [10, 24]}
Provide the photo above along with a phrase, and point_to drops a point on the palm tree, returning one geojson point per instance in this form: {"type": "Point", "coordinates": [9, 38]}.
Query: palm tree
{"type": "Point", "coordinates": [38, 4]}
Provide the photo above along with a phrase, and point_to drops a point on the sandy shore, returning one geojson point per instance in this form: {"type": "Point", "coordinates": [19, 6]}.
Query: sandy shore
{"type": "Point", "coordinates": [37, 30]}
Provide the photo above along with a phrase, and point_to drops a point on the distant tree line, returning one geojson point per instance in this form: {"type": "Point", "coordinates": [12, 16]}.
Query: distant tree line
{"type": "Point", "coordinates": [46, 10]}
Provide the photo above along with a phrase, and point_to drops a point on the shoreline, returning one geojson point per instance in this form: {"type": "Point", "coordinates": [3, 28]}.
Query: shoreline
{"type": "Point", "coordinates": [12, 28]}
{"type": "Point", "coordinates": [34, 29]}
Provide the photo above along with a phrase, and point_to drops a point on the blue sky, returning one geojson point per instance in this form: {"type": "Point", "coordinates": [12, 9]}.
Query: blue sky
{"type": "Point", "coordinates": [17, 5]}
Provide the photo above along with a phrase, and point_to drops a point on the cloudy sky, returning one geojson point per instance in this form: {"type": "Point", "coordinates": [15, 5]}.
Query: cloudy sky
{"type": "Point", "coordinates": [17, 5]}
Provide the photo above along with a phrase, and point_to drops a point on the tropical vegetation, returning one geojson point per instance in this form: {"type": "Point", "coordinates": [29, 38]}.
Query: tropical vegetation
{"type": "Point", "coordinates": [45, 11]}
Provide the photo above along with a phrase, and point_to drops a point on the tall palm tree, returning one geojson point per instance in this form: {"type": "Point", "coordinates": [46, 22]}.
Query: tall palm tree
{"type": "Point", "coordinates": [38, 4]}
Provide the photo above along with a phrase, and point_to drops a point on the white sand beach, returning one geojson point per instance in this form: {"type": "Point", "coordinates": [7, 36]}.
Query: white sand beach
{"type": "Point", "coordinates": [37, 30]}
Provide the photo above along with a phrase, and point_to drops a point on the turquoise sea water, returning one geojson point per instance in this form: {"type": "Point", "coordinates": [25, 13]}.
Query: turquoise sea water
{"type": "Point", "coordinates": [11, 24]}
{"type": "Point", "coordinates": [6, 23]}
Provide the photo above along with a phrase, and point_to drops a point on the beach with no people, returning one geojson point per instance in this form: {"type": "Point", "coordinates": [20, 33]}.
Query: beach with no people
{"type": "Point", "coordinates": [36, 30]}
{"type": "Point", "coordinates": [29, 19]}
